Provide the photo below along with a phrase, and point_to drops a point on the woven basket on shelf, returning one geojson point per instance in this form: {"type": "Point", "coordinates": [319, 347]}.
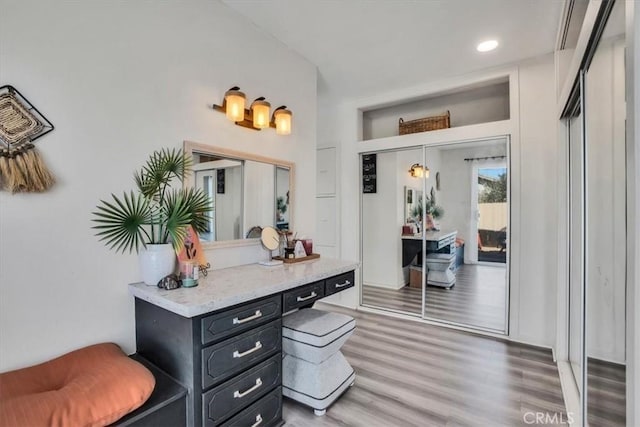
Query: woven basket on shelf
{"type": "Point", "coordinates": [422, 125]}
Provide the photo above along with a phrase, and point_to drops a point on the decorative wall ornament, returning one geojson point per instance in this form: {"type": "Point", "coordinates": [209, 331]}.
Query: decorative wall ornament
{"type": "Point", "coordinates": [438, 181]}
{"type": "Point", "coordinates": [21, 167]}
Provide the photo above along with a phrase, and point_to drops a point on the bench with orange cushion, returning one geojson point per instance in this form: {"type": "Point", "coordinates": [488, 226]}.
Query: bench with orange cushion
{"type": "Point", "coordinates": [93, 386]}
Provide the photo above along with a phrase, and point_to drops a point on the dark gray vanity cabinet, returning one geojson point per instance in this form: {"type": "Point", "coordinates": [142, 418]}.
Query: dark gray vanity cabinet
{"type": "Point", "coordinates": [227, 360]}
{"type": "Point", "coordinates": [230, 360]}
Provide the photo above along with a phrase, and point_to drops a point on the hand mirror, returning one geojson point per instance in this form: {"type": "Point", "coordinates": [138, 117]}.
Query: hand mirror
{"type": "Point", "coordinates": [271, 241]}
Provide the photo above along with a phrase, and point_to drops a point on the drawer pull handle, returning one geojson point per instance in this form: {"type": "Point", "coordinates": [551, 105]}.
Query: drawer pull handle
{"type": "Point", "coordinates": [258, 421]}
{"type": "Point", "coordinates": [237, 354]}
{"type": "Point", "coordinates": [237, 321]}
{"type": "Point", "coordinates": [308, 297]}
{"type": "Point", "coordinates": [237, 394]}
{"type": "Point", "coordinates": [342, 285]}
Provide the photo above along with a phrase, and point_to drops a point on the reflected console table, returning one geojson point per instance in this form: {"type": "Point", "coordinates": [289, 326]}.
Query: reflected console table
{"type": "Point", "coordinates": [436, 241]}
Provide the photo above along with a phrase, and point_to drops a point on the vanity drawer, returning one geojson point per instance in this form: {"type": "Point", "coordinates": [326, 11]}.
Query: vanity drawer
{"type": "Point", "coordinates": [232, 396]}
{"type": "Point", "coordinates": [265, 412]}
{"type": "Point", "coordinates": [338, 283]}
{"type": "Point", "coordinates": [303, 296]}
{"type": "Point", "coordinates": [222, 325]}
{"type": "Point", "coordinates": [222, 360]}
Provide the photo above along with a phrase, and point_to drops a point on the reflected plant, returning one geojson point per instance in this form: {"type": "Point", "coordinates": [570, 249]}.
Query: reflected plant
{"type": "Point", "coordinates": [429, 205]}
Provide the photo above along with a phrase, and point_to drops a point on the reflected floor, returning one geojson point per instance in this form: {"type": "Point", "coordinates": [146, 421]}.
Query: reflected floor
{"type": "Point", "coordinates": [478, 299]}
{"type": "Point", "coordinates": [606, 399]}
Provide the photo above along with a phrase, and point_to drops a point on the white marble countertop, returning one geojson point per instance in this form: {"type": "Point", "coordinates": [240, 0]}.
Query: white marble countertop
{"type": "Point", "coordinates": [431, 236]}
{"type": "Point", "coordinates": [235, 285]}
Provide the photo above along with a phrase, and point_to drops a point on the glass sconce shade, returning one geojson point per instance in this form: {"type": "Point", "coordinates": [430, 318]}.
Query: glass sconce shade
{"type": "Point", "coordinates": [282, 119]}
{"type": "Point", "coordinates": [419, 171]}
{"type": "Point", "coordinates": [235, 101]}
{"type": "Point", "coordinates": [260, 111]}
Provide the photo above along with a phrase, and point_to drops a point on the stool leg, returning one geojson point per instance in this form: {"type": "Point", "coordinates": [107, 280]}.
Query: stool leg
{"type": "Point", "coordinates": [319, 412]}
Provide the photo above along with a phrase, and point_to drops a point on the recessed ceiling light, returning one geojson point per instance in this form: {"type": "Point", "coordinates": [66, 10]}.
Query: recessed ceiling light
{"type": "Point", "coordinates": [488, 45]}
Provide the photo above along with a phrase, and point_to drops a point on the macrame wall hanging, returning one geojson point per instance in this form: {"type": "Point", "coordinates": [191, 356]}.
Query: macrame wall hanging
{"type": "Point", "coordinates": [21, 167]}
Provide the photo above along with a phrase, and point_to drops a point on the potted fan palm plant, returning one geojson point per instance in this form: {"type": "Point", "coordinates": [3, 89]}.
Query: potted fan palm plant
{"type": "Point", "coordinates": [154, 221]}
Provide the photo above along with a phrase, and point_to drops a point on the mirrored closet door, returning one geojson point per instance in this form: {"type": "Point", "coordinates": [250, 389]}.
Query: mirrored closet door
{"type": "Point", "coordinates": [435, 226]}
{"type": "Point", "coordinates": [597, 229]}
{"type": "Point", "coordinates": [469, 203]}
{"type": "Point", "coordinates": [391, 205]}
{"type": "Point", "coordinates": [605, 231]}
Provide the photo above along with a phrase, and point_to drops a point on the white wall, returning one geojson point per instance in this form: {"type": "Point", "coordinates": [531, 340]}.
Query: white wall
{"type": "Point", "coordinates": [118, 80]}
{"type": "Point", "coordinates": [534, 207]}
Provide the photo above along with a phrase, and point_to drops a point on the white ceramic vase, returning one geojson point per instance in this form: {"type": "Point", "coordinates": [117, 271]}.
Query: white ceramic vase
{"type": "Point", "coordinates": [156, 262]}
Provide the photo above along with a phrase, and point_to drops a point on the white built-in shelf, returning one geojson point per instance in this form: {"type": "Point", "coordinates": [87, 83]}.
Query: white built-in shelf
{"type": "Point", "coordinates": [463, 133]}
{"type": "Point", "coordinates": [480, 103]}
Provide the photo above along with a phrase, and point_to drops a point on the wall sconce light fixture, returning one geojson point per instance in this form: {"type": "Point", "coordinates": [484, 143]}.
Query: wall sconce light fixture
{"type": "Point", "coordinates": [258, 115]}
{"type": "Point", "coordinates": [233, 104]}
{"type": "Point", "coordinates": [281, 120]}
{"type": "Point", "coordinates": [419, 171]}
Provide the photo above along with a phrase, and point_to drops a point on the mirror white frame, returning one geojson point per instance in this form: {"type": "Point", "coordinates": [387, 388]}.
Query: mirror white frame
{"type": "Point", "coordinates": [189, 147]}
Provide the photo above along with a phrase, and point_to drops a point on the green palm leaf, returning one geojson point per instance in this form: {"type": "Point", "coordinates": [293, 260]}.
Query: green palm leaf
{"type": "Point", "coordinates": [177, 217]}
{"type": "Point", "coordinates": [199, 205]}
{"type": "Point", "coordinates": [120, 223]}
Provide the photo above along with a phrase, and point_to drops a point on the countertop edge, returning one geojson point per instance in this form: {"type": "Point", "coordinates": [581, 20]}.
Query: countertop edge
{"type": "Point", "coordinates": [190, 311]}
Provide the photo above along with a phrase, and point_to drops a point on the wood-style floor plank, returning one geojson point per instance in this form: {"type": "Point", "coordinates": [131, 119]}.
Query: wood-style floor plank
{"type": "Point", "coordinates": [478, 298]}
{"type": "Point", "coordinates": [414, 374]}
{"type": "Point", "coordinates": [606, 401]}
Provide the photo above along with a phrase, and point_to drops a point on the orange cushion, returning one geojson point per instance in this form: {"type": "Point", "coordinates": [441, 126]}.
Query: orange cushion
{"type": "Point", "coordinates": [93, 386]}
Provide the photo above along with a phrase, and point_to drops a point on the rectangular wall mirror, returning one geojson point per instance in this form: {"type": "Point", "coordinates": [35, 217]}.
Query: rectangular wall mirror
{"type": "Point", "coordinates": [247, 191]}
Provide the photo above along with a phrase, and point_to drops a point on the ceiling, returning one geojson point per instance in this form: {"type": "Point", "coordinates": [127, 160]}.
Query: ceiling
{"type": "Point", "coordinates": [364, 47]}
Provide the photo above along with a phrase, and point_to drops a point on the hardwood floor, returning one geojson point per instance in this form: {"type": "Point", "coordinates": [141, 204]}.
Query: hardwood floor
{"type": "Point", "coordinates": [413, 374]}
{"type": "Point", "coordinates": [478, 299]}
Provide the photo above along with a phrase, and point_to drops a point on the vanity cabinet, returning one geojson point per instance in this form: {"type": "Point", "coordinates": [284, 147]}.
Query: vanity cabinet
{"type": "Point", "coordinates": [224, 368]}
{"type": "Point", "coordinates": [229, 359]}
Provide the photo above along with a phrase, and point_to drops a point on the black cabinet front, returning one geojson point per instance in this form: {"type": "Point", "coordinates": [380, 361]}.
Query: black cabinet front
{"type": "Point", "coordinates": [220, 403]}
{"type": "Point", "coordinates": [223, 360]}
{"type": "Point", "coordinates": [265, 412]}
{"type": "Point", "coordinates": [231, 322]}
{"type": "Point", "coordinates": [339, 283]}
{"type": "Point", "coordinates": [303, 296]}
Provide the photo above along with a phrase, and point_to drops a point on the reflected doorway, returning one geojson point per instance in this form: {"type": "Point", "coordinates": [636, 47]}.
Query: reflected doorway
{"type": "Point", "coordinates": [492, 214]}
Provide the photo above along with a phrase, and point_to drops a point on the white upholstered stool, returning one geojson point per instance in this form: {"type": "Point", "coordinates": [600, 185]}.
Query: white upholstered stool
{"type": "Point", "coordinates": [314, 371]}
{"type": "Point", "coordinates": [439, 270]}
